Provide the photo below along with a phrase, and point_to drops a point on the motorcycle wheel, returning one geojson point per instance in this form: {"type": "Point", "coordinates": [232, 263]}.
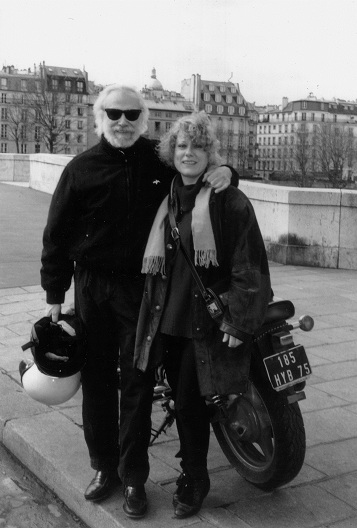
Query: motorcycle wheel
{"type": "Point", "coordinates": [264, 436]}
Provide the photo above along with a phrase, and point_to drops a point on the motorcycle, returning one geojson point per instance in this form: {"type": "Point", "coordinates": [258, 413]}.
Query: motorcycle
{"type": "Point", "coordinates": [261, 432]}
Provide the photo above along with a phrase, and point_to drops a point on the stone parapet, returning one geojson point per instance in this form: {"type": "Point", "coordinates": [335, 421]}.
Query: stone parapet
{"type": "Point", "coordinates": [15, 167]}
{"type": "Point", "coordinates": [310, 227]}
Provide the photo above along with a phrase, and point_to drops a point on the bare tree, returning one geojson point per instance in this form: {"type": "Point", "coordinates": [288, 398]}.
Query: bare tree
{"type": "Point", "coordinates": [336, 151]}
{"type": "Point", "coordinates": [302, 172]}
{"type": "Point", "coordinates": [19, 119]}
{"type": "Point", "coordinates": [51, 112]}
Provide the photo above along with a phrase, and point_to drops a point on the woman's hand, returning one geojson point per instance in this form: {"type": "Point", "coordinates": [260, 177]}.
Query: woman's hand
{"type": "Point", "coordinates": [233, 342]}
{"type": "Point", "coordinates": [218, 177]}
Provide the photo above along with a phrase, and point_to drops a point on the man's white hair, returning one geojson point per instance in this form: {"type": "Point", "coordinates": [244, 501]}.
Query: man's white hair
{"type": "Point", "coordinates": [99, 106]}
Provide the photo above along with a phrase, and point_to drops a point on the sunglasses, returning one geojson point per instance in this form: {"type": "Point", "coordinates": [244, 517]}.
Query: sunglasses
{"type": "Point", "coordinates": [114, 114]}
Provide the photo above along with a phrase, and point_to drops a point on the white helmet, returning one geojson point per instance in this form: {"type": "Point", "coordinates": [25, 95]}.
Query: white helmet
{"type": "Point", "coordinates": [47, 389]}
{"type": "Point", "coordinates": [58, 351]}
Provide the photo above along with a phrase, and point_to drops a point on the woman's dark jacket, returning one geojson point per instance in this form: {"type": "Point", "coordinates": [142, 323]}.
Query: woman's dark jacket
{"type": "Point", "coordinates": [242, 276]}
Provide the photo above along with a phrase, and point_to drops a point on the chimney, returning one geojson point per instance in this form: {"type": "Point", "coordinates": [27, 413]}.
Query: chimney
{"type": "Point", "coordinates": [285, 102]}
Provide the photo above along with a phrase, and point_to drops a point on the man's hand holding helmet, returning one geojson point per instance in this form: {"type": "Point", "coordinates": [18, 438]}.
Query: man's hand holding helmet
{"type": "Point", "coordinates": [53, 311]}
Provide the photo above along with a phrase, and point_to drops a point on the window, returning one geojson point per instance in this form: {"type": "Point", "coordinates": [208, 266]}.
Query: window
{"type": "Point", "coordinates": [54, 84]}
{"type": "Point", "coordinates": [4, 131]}
{"type": "Point", "coordinates": [167, 126]}
{"type": "Point", "coordinates": [295, 116]}
{"type": "Point", "coordinates": [219, 109]}
{"type": "Point", "coordinates": [335, 118]}
{"type": "Point", "coordinates": [67, 123]}
{"type": "Point", "coordinates": [322, 117]}
{"type": "Point", "coordinates": [37, 133]}
{"type": "Point", "coordinates": [67, 86]}
{"type": "Point", "coordinates": [4, 114]}
{"type": "Point", "coordinates": [80, 86]}
{"type": "Point", "coordinates": [231, 110]}
{"type": "Point", "coordinates": [208, 108]}
{"type": "Point", "coordinates": [233, 89]}
{"type": "Point", "coordinates": [3, 83]}
{"type": "Point", "coordinates": [303, 116]}
{"type": "Point", "coordinates": [206, 96]}
{"type": "Point", "coordinates": [291, 140]}
{"type": "Point", "coordinates": [304, 104]}
{"type": "Point", "coordinates": [241, 110]}
{"type": "Point", "coordinates": [38, 86]}
{"type": "Point", "coordinates": [23, 133]}
{"type": "Point", "coordinates": [157, 126]}
{"type": "Point", "coordinates": [218, 98]}
{"type": "Point", "coordinates": [3, 147]}
{"type": "Point", "coordinates": [3, 98]}
{"type": "Point", "coordinates": [240, 99]}
{"type": "Point", "coordinates": [168, 114]}
{"type": "Point", "coordinates": [79, 138]}
{"type": "Point", "coordinates": [229, 98]}
{"type": "Point", "coordinates": [211, 88]}
{"type": "Point", "coordinates": [222, 89]}
{"type": "Point", "coordinates": [67, 110]}
{"type": "Point", "coordinates": [313, 117]}
{"type": "Point", "coordinates": [24, 114]}
{"type": "Point", "coordinates": [23, 85]}
{"type": "Point", "coordinates": [80, 125]}
{"type": "Point", "coordinates": [37, 148]}
{"type": "Point", "coordinates": [23, 148]}
{"type": "Point", "coordinates": [80, 110]}
{"type": "Point", "coordinates": [292, 128]}
{"type": "Point", "coordinates": [80, 99]}
{"type": "Point", "coordinates": [67, 138]}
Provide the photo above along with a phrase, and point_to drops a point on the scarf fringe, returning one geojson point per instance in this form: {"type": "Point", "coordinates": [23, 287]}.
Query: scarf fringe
{"type": "Point", "coordinates": [154, 265]}
{"type": "Point", "coordinates": [205, 257]}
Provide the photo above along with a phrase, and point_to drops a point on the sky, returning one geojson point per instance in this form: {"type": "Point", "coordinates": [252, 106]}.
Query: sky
{"type": "Point", "coordinates": [272, 48]}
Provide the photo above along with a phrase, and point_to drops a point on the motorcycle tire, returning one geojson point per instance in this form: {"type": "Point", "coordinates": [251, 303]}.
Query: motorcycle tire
{"type": "Point", "coordinates": [264, 436]}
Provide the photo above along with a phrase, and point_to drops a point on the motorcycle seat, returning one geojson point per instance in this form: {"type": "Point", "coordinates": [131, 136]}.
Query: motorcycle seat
{"type": "Point", "coordinates": [278, 310]}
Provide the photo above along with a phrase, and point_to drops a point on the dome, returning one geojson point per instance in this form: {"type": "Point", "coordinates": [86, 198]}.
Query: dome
{"type": "Point", "coordinates": [154, 83]}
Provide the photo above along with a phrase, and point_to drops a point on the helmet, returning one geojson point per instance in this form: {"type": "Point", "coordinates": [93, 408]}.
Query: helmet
{"type": "Point", "coordinates": [47, 389]}
{"type": "Point", "coordinates": [57, 348]}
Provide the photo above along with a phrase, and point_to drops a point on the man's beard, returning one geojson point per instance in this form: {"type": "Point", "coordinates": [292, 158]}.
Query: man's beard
{"type": "Point", "coordinates": [121, 140]}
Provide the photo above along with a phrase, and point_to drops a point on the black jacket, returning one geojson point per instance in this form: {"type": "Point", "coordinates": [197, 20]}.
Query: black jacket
{"type": "Point", "coordinates": [101, 213]}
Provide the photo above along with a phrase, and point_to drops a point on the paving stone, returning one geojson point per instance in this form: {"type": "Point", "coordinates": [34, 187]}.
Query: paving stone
{"type": "Point", "coordinates": [306, 507]}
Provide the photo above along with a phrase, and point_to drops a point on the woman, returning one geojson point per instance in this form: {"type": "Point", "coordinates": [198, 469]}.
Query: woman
{"type": "Point", "coordinates": [201, 358]}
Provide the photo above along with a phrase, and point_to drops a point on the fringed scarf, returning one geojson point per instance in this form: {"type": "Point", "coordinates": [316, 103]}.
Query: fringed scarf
{"type": "Point", "coordinates": [204, 245]}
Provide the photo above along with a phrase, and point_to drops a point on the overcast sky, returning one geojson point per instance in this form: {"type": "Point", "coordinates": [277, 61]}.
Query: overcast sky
{"type": "Point", "coordinates": [272, 48]}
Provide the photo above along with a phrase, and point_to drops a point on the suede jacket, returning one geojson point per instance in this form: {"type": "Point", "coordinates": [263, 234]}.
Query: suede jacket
{"type": "Point", "coordinates": [242, 280]}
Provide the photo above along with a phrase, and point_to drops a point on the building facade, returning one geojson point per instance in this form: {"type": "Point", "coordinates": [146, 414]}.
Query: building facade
{"type": "Point", "coordinates": [234, 119]}
{"type": "Point", "coordinates": [165, 107]}
{"type": "Point", "coordinates": [299, 134]}
{"type": "Point", "coordinates": [43, 110]}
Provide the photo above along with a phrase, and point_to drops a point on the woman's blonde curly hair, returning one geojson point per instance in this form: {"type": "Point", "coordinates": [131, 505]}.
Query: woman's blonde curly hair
{"type": "Point", "coordinates": [198, 128]}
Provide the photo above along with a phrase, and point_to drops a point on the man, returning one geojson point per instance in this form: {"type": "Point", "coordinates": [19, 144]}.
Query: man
{"type": "Point", "coordinates": [98, 223]}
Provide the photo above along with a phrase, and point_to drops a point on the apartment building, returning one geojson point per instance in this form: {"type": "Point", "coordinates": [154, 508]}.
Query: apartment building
{"type": "Point", "coordinates": [280, 128]}
{"type": "Point", "coordinates": [234, 119]}
{"type": "Point", "coordinates": [44, 109]}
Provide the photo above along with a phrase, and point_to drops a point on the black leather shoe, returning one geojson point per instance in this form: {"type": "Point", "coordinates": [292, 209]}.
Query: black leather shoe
{"type": "Point", "coordinates": [136, 504]}
{"type": "Point", "coordinates": [180, 483]}
{"type": "Point", "coordinates": [102, 485]}
{"type": "Point", "coordinates": [190, 500]}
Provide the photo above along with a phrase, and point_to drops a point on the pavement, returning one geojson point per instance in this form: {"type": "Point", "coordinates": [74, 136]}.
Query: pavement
{"type": "Point", "coordinates": [49, 440]}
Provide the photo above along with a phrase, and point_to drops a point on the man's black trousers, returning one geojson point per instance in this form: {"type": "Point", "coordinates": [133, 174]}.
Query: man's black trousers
{"type": "Point", "coordinates": [108, 306]}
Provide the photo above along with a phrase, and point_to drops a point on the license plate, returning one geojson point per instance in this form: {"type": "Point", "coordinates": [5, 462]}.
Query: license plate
{"type": "Point", "coordinates": [287, 368]}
